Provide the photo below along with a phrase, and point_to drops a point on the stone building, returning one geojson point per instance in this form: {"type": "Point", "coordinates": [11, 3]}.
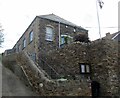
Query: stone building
{"type": "Point", "coordinates": [49, 40]}
{"type": "Point", "coordinates": [46, 33]}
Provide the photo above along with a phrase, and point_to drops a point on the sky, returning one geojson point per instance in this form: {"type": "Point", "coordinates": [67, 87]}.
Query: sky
{"type": "Point", "coordinates": [16, 15]}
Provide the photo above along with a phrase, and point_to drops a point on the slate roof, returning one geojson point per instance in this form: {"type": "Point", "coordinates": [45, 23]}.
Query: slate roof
{"type": "Point", "coordinates": [115, 36]}
{"type": "Point", "coordinates": [56, 18]}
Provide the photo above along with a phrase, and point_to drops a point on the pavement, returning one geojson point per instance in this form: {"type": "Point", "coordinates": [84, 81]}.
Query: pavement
{"type": "Point", "coordinates": [12, 85]}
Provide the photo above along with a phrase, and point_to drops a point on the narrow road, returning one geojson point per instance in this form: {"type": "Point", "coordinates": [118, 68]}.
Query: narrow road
{"type": "Point", "coordinates": [12, 86]}
{"type": "Point", "coordinates": [0, 79]}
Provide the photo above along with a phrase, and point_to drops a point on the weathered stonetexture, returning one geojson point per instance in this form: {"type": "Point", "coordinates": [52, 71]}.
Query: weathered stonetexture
{"type": "Point", "coordinates": [104, 62]}
{"type": "Point", "coordinates": [69, 87]}
{"type": "Point", "coordinates": [68, 58]}
{"type": "Point", "coordinates": [101, 54]}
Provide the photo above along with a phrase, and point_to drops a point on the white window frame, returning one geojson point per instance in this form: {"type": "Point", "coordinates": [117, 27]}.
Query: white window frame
{"type": "Point", "coordinates": [49, 33]}
{"type": "Point", "coordinates": [84, 68]}
{"type": "Point", "coordinates": [24, 43]}
{"type": "Point", "coordinates": [87, 68]}
{"type": "Point", "coordinates": [31, 36]}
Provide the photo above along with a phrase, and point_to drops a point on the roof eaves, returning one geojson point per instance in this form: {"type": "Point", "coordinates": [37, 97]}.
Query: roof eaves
{"type": "Point", "coordinates": [63, 21]}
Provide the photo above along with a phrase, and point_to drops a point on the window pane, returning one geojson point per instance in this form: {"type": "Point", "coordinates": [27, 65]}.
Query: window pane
{"type": "Point", "coordinates": [87, 68]}
{"type": "Point", "coordinates": [49, 37]}
{"type": "Point", "coordinates": [62, 40]}
{"type": "Point", "coordinates": [49, 33]}
{"type": "Point", "coordinates": [49, 30]}
{"type": "Point", "coordinates": [24, 43]}
{"type": "Point", "coordinates": [83, 68]}
{"type": "Point", "coordinates": [31, 36]}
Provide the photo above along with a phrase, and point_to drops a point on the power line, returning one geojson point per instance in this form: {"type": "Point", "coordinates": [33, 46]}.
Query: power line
{"type": "Point", "coordinates": [102, 27]}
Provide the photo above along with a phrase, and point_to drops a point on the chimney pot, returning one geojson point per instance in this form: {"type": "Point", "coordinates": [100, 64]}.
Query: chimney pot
{"type": "Point", "coordinates": [108, 34]}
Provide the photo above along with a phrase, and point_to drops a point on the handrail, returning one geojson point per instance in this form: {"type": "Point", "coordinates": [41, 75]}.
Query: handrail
{"type": "Point", "coordinates": [43, 51]}
{"type": "Point", "coordinates": [52, 69]}
{"type": "Point", "coordinates": [49, 66]}
{"type": "Point", "coordinates": [39, 67]}
{"type": "Point", "coordinates": [26, 75]}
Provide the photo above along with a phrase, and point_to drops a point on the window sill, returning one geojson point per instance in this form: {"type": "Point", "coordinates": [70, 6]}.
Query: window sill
{"type": "Point", "coordinates": [23, 48]}
{"type": "Point", "coordinates": [49, 40]}
{"type": "Point", "coordinates": [30, 42]}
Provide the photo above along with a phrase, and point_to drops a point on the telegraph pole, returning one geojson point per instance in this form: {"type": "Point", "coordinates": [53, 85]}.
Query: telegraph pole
{"type": "Point", "coordinates": [98, 18]}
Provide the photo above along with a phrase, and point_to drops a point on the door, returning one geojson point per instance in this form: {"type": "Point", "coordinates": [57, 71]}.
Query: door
{"type": "Point", "coordinates": [95, 87]}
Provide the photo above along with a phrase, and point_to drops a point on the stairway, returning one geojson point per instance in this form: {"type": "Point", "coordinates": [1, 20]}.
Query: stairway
{"type": "Point", "coordinates": [34, 75]}
{"type": "Point", "coordinates": [32, 79]}
{"type": "Point", "coordinates": [48, 69]}
{"type": "Point", "coordinates": [46, 66]}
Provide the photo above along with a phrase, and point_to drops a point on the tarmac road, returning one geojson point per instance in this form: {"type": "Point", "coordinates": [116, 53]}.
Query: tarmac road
{"type": "Point", "coordinates": [12, 86]}
{"type": "Point", "coordinates": [0, 79]}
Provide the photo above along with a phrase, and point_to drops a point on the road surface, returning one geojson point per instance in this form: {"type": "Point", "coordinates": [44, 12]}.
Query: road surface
{"type": "Point", "coordinates": [12, 86]}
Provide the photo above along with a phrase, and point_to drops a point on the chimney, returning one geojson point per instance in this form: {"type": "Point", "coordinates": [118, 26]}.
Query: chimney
{"type": "Point", "coordinates": [108, 35]}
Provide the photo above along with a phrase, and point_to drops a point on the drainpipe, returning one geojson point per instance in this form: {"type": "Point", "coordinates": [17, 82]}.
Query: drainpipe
{"type": "Point", "coordinates": [59, 33]}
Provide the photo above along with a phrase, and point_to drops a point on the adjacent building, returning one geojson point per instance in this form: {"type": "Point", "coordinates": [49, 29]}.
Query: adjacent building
{"type": "Point", "coordinates": [114, 36]}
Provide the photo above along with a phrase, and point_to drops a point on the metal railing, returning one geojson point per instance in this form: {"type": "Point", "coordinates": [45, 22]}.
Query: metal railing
{"type": "Point", "coordinates": [49, 70]}
{"type": "Point", "coordinates": [47, 67]}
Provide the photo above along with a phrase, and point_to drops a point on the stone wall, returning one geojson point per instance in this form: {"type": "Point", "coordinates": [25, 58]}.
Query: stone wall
{"type": "Point", "coordinates": [101, 54]}
{"type": "Point", "coordinates": [68, 88]}
{"type": "Point", "coordinates": [66, 60]}
{"type": "Point", "coordinates": [105, 66]}
{"type": "Point", "coordinates": [60, 87]}
{"type": "Point", "coordinates": [9, 61]}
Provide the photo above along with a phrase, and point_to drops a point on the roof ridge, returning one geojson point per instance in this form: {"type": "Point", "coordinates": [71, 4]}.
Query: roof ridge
{"type": "Point", "coordinates": [56, 18]}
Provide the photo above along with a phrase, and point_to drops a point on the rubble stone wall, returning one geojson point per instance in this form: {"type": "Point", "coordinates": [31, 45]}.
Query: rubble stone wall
{"type": "Point", "coordinates": [9, 62]}
{"type": "Point", "coordinates": [101, 54]}
{"type": "Point", "coordinates": [105, 66]}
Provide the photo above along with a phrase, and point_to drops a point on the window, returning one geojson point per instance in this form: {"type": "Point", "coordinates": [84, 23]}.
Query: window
{"type": "Point", "coordinates": [19, 48]}
{"type": "Point", "coordinates": [31, 36]}
{"type": "Point", "coordinates": [66, 39]}
{"type": "Point", "coordinates": [74, 30]}
{"type": "Point", "coordinates": [87, 68]}
{"type": "Point", "coordinates": [24, 43]}
{"type": "Point", "coordinates": [84, 68]}
{"type": "Point", "coordinates": [62, 40]}
{"type": "Point", "coordinates": [66, 26]}
{"type": "Point", "coordinates": [49, 33]}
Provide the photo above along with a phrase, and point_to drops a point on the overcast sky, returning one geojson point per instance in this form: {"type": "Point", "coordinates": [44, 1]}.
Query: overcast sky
{"type": "Point", "coordinates": [16, 15]}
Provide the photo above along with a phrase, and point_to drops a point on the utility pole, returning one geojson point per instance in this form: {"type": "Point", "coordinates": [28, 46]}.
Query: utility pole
{"type": "Point", "coordinates": [98, 18]}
